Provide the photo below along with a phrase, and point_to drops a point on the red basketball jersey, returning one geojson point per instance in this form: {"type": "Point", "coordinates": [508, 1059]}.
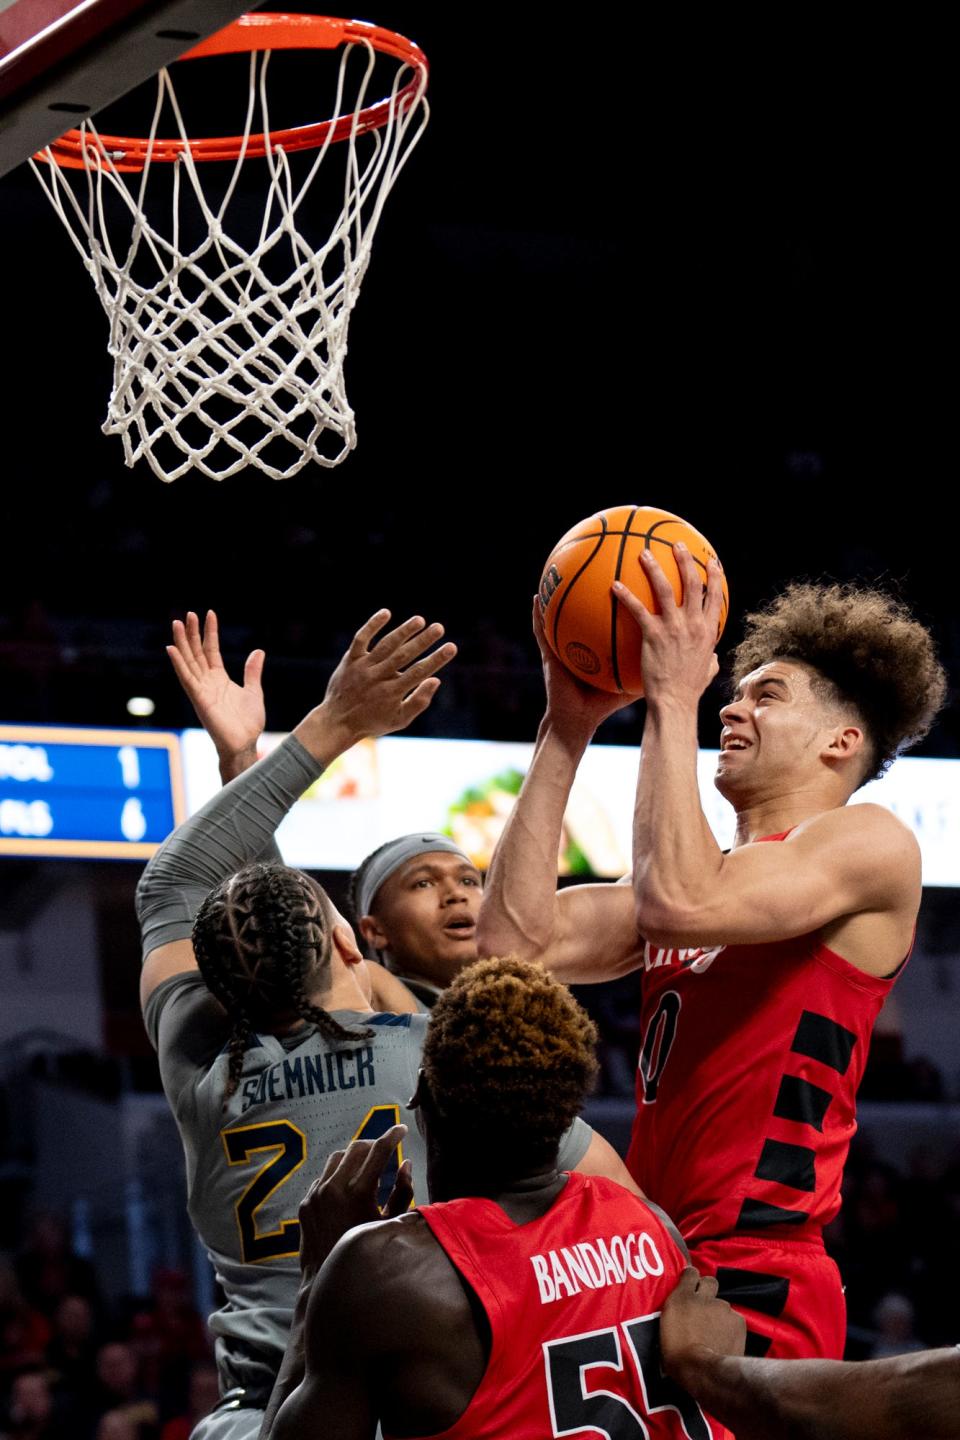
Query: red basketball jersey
{"type": "Point", "coordinates": [573, 1300]}
{"type": "Point", "coordinates": [750, 1060]}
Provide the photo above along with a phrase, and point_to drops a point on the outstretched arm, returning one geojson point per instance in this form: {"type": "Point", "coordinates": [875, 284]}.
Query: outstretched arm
{"type": "Point", "coordinates": [586, 932]}
{"type": "Point", "coordinates": [234, 716]}
{"type": "Point", "coordinates": [382, 683]}
{"type": "Point", "coordinates": [902, 1398]}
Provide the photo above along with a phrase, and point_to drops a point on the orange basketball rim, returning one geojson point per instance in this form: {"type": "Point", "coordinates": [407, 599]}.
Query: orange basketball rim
{"type": "Point", "coordinates": [251, 34]}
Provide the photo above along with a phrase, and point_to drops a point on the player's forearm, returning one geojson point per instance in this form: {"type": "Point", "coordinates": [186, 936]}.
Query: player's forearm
{"type": "Point", "coordinates": [238, 762]}
{"type": "Point", "coordinates": [518, 914]}
{"type": "Point", "coordinates": [898, 1399]}
{"type": "Point", "coordinates": [292, 1366]}
{"type": "Point", "coordinates": [676, 859]}
{"type": "Point", "coordinates": [745, 1395]}
{"type": "Point", "coordinates": [230, 831]}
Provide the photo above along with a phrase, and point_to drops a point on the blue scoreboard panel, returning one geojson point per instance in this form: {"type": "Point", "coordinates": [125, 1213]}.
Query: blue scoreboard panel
{"type": "Point", "coordinates": [104, 794]}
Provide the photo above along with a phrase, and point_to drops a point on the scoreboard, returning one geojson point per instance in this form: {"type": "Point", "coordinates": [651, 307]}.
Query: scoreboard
{"type": "Point", "coordinates": [68, 791]}
{"type": "Point", "coordinates": [102, 794]}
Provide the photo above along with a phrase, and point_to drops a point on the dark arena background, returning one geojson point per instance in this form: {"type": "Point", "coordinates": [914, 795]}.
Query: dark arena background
{"type": "Point", "coordinates": [701, 265]}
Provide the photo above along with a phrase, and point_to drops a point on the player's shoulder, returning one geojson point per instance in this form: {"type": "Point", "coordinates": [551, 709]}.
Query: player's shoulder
{"type": "Point", "coordinates": [603, 1188]}
{"type": "Point", "coordinates": [634, 1214]}
{"type": "Point", "coordinates": [381, 1246]}
{"type": "Point", "coordinates": [404, 1033]}
{"type": "Point", "coordinates": [386, 1272]}
{"type": "Point", "coordinates": [182, 1003]}
{"type": "Point", "coordinates": [858, 823]}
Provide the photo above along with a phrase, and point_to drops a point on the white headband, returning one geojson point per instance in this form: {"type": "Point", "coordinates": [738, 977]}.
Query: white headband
{"type": "Point", "coordinates": [393, 855]}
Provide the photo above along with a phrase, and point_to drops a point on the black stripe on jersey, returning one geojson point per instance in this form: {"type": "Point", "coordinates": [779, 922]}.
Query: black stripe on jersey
{"type": "Point", "coordinates": [385, 1018]}
{"type": "Point", "coordinates": [824, 1040]}
{"type": "Point", "coordinates": [756, 1345]}
{"type": "Point", "coordinates": [800, 1100]}
{"type": "Point", "coordinates": [757, 1215]}
{"type": "Point", "coordinates": [787, 1165]}
{"type": "Point", "coordinates": [753, 1288]}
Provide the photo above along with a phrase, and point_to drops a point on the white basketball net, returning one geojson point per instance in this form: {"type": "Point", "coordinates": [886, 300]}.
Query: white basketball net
{"type": "Point", "coordinates": [217, 363]}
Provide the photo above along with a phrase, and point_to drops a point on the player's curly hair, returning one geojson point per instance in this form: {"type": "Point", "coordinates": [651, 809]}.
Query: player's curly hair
{"type": "Point", "coordinates": [509, 1058]}
{"type": "Point", "coordinates": [257, 937]}
{"type": "Point", "coordinates": [871, 653]}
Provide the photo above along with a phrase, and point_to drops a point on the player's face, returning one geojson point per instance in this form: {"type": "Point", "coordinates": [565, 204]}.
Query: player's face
{"type": "Point", "coordinates": [427, 914]}
{"type": "Point", "coordinates": [774, 732]}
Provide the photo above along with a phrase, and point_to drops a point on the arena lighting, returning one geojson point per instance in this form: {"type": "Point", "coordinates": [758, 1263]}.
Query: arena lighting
{"type": "Point", "coordinates": [141, 706]}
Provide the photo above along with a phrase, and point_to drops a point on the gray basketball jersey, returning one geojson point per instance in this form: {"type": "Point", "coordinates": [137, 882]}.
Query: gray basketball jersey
{"type": "Point", "coordinates": [250, 1162]}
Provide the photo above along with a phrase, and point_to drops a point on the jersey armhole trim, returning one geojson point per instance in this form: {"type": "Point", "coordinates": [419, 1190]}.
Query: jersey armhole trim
{"type": "Point", "coordinates": [670, 1228]}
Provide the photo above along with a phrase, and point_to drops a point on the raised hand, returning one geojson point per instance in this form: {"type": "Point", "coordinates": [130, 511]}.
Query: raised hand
{"type": "Point", "coordinates": [679, 641]}
{"type": "Point", "coordinates": [346, 1195]}
{"type": "Point", "coordinates": [574, 708]}
{"type": "Point", "coordinates": [233, 715]}
{"type": "Point", "coordinates": [384, 681]}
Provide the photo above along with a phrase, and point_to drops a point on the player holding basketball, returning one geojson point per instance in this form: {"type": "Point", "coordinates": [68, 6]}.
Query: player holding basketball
{"type": "Point", "coordinates": [763, 969]}
{"type": "Point", "coordinates": [521, 1302]}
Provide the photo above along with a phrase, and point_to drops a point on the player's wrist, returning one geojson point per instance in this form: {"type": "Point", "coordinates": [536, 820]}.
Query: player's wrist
{"type": "Point", "coordinates": [687, 1363]}
{"type": "Point", "coordinates": [235, 762]}
{"type": "Point", "coordinates": [672, 704]}
{"type": "Point", "coordinates": [326, 733]}
{"type": "Point", "coordinates": [568, 731]}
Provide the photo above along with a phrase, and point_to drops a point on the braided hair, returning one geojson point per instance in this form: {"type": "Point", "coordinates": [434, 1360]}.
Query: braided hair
{"type": "Point", "coordinates": [258, 937]}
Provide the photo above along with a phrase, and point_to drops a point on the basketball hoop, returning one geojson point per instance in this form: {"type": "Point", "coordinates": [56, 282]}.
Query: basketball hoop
{"type": "Point", "coordinates": [225, 354]}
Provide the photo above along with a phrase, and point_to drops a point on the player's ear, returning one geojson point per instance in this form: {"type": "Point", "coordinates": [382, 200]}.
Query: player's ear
{"type": "Point", "coordinates": [845, 744]}
{"type": "Point", "coordinates": [373, 932]}
{"type": "Point", "coordinates": [345, 943]}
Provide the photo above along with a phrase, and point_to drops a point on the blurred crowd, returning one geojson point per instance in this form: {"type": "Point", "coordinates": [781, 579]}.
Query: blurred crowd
{"type": "Point", "coordinates": [78, 671]}
{"type": "Point", "coordinates": [73, 1367]}
{"type": "Point", "coordinates": [897, 1242]}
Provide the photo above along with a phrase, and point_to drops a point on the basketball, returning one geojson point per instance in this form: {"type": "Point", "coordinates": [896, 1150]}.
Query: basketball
{"type": "Point", "coordinates": [586, 626]}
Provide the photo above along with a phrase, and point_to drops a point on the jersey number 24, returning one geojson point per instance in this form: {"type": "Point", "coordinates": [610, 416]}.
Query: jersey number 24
{"type": "Point", "coordinates": [285, 1147]}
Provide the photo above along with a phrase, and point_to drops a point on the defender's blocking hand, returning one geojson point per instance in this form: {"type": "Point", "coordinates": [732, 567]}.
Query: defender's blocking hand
{"type": "Point", "coordinates": [385, 681]}
{"type": "Point", "coordinates": [233, 715]}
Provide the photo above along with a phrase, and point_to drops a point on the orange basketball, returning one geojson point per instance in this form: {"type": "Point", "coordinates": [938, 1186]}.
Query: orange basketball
{"type": "Point", "coordinates": [586, 626]}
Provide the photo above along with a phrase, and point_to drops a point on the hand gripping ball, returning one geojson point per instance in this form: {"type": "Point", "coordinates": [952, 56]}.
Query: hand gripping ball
{"type": "Point", "coordinates": [586, 626]}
